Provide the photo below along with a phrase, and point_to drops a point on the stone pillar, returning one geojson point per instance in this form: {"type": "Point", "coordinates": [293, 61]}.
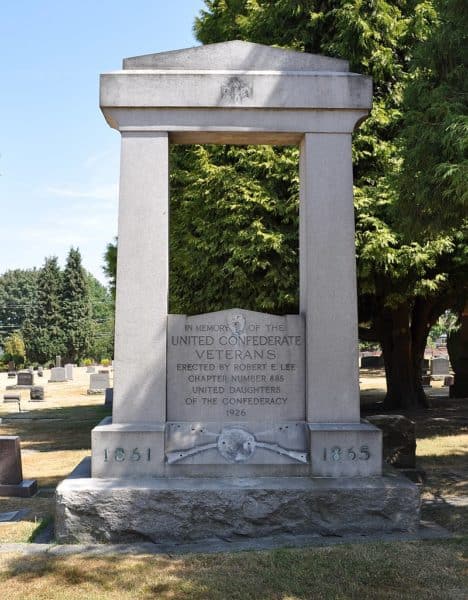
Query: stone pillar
{"type": "Point", "coordinates": [142, 280]}
{"type": "Point", "coordinates": [340, 445]}
{"type": "Point", "coordinates": [328, 297]}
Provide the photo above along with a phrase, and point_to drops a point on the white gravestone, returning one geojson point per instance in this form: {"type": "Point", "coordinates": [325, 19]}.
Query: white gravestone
{"type": "Point", "coordinates": [98, 382]}
{"type": "Point", "coordinates": [69, 371]}
{"type": "Point", "coordinates": [57, 374]}
{"type": "Point", "coordinates": [440, 366]}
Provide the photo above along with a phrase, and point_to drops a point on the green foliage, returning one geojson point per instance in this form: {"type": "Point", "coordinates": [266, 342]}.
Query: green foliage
{"type": "Point", "coordinates": [14, 348]}
{"type": "Point", "coordinates": [446, 324]}
{"type": "Point", "coordinates": [377, 39]}
{"type": "Point", "coordinates": [43, 328]}
{"type": "Point", "coordinates": [70, 313]}
{"type": "Point", "coordinates": [102, 315]}
{"type": "Point", "coordinates": [234, 229]}
{"type": "Point", "coordinates": [18, 290]}
{"type": "Point", "coordinates": [110, 265]}
{"type": "Point", "coordinates": [76, 308]}
{"type": "Point", "coordinates": [403, 283]}
{"type": "Point", "coordinates": [433, 181]}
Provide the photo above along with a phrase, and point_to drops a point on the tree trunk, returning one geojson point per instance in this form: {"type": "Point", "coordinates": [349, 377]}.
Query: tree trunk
{"type": "Point", "coordinates": [403, 335]}
{"type": "Point", "coordinates": [421, 323]}
{"type": "Point", "coordinates": [403, 378]}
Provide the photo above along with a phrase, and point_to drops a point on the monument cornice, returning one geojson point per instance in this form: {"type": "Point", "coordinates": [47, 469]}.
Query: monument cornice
{"type": "Point", "coordinates": [236, 89]}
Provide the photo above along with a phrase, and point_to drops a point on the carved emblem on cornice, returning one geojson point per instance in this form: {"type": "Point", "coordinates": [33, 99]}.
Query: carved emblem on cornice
{"type": "Point", "coordinates": [236, 90]}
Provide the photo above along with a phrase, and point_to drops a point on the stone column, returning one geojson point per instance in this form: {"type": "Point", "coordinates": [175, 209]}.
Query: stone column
{"type": "Point", "coordinates": [340, 445]}
{"type": "Point", "coordinates": [142, 280]}
{"type": "Point", "coordinates": [328, 297]}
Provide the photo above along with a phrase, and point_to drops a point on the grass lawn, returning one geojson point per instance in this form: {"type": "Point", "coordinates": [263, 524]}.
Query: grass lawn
{"type": "Point", "coordinates": [56, 435]}
{"type": "Point", "coordinates": [416, 570]}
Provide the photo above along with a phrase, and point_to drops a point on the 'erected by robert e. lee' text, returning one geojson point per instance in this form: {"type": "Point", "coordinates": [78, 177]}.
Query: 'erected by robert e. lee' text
{"type": "Point", "coordinates": [235, 365]}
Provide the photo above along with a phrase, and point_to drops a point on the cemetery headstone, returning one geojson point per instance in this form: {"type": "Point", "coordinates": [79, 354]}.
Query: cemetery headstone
{"type": "Point", "coordinates": [372, 362]}
{"type": "Point", "coordinates": [449, 380]}
{"type": "Point", "coordinates": [235, 423]}
{"type": "Point", "coordinates": [98, 382]}
{"type": "Point", "coordinates": [440, 367]}
{"type": "Point", "coordinates": [25, 379]}
{"type": "Point", "coordinates": [57, 374]}
{"type": "Point", "coordinates": [40, 371]}
{"type": "Point", "coordinates": [11, 374]}
{"type": "Point", "coordinates": [58, 361]}
{"type": "Point", "coordinates": [11, 473]}
{"type": "Point", "coordinates": [36, 393]}
{"type": "Point", "coordinates": [90, 369]}
{"type": "Point", "coordinates": [13, 398]}
{"type": "Point", "coordinates": [11, 365]}
{"type": "Point", "coordinates": [69, 371]}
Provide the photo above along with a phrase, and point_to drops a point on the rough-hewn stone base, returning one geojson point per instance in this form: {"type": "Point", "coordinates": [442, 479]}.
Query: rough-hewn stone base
{"type": "Point", "coordinates": [189, 509]}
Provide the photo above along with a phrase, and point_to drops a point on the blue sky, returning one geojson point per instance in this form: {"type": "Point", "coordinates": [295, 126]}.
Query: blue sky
{"type": "Point", "coordinates": [59, 160]}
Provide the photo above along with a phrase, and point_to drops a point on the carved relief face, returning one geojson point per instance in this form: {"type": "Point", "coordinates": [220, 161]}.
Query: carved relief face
{"type": "Point", "coordinates": [236, 323]}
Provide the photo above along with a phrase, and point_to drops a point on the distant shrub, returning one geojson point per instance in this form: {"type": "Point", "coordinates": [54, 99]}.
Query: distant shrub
{"type": "Point", "coordinates": [105, 362]}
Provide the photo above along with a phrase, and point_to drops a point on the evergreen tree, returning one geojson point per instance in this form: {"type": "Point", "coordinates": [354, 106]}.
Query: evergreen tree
{"type": "Point", "coordinates": [241, 203]}
{"type": "Point", "coordinates": [18, 289]}
{"type": "Point", "coordinates": [42, 329]}
{"type": "Point", "coordinates": [402, 289]}
{"type": "Point", "coordinates": [110, 265]}
{"type": "Point", "coordinates": [433, 181]}
{"type": "Point", "coordinates": [76, 309]}
{"type": "Point", "coordinates": [102, 315]}
{"type": "Point", "coordinates": [234, 229]}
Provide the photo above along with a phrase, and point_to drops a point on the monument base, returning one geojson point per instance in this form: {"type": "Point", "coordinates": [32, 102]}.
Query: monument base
{"type": "Point", "coordinates": [181, 510]}
{"type": "Point", "coordinates": [25, 489]}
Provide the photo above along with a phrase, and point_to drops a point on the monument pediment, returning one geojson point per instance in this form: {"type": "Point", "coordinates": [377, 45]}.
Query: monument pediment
{"type": "Point", "coordinates": [235, 55]}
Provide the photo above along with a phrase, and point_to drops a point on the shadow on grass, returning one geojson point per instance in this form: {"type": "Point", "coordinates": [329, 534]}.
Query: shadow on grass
{"type": "Point", "coordinates": [65, 428]}
{"type": "Point", "coordinates": [428, 569]}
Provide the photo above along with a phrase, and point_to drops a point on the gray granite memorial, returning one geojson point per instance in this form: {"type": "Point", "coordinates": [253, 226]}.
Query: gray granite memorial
{"type": "Point", "coordinates": [37, 393]}
{"type": "Point", "coordinates": [11, 473]}
{"type": "Point", "coordinates": [98, 382]}
{"type": "Point", "coordinates": [440, 367]}
{"type": "Point", "coordinates": [25, 379]}
{"type": "Point", "coordinates": [69, 372]}
{"type": "Point", "coordinates": [57, 375]}
{"type": "Point", "coordinates": [235, 423]}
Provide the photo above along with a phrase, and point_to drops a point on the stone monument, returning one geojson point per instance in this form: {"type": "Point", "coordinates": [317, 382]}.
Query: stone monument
{"type": "Point", "coordinates": [235, 423]}
{"type": "Point", "coordinates": [57, 374]}
{"type": "Point", "coordinates": [11, 472]}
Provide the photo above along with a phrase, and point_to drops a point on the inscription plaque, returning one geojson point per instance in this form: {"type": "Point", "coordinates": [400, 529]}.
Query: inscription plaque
{"type": "Point", "coordinates": [235, 365]}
